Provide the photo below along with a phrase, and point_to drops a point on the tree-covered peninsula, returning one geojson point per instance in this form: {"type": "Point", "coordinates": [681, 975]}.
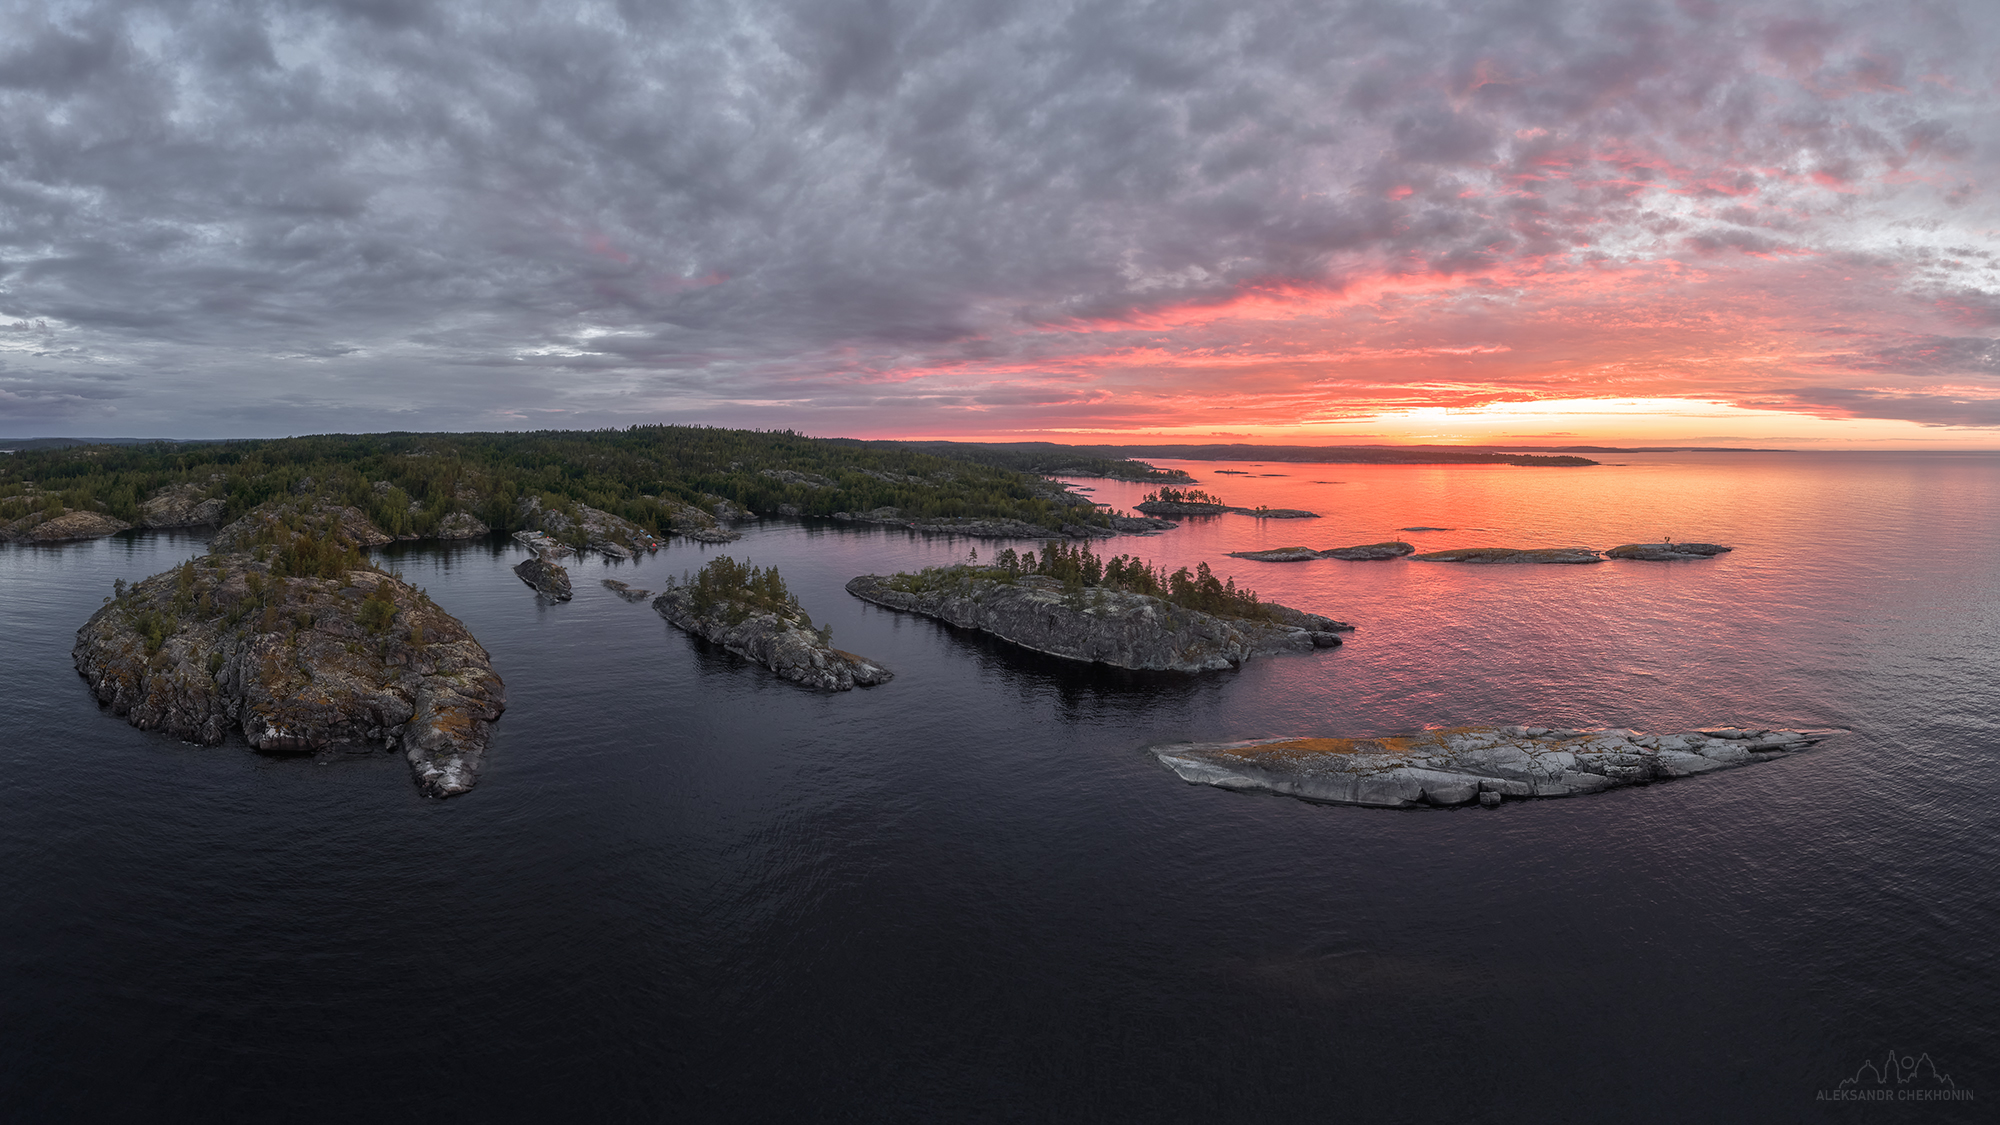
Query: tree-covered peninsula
{"type": "Point", "coordinates": [661, 479]}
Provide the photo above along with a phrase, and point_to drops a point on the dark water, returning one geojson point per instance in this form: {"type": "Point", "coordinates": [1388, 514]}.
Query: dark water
{"type": "Point", "coordinates": [686, 890]}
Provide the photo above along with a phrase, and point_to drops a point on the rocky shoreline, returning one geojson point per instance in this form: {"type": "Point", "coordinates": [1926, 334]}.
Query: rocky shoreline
{"type": "Point", "coordinates": [1096, 625]}
{"type": "Point", "coordinates": [781, 642]}
{"type": "Point", "coordinates": [355, 659]}
{"type": "Point", "coordinates": [1463, 765]}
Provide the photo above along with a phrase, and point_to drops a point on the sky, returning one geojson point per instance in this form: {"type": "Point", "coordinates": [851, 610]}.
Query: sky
{"type": "Point", "coordinates": [1303, 221]}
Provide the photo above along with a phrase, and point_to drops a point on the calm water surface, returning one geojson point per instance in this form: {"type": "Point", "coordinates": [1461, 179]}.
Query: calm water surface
{"type": "Point", "coordinates": [687, 890]}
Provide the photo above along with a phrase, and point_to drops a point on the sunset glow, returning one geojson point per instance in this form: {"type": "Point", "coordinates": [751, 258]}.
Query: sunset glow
{"type": "Point", "coordinates": [1773, 222]}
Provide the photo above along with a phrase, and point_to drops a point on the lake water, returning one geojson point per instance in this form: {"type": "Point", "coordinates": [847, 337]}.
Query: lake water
{"type": "Point", "coordinates": [687, 890]}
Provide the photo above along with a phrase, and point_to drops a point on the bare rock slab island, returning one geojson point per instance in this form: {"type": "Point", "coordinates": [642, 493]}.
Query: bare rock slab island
{"type": "Point", "coordinates": [1461, 765]}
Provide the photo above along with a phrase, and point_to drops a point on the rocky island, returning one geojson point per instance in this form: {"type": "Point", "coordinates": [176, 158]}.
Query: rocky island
{"type": "Point", "coordinates": [1506, 555]}
{"type": "Point", "coordinates": [1667, 551]}
{"type": "Point", "coordinates": [1461, 765]}
{"type": "Point", "coordinates": [1122, 612]}
{"type": "Point", "coordinates": [305, 648]}
{"type": "Point", "coordinates": [748, 611]}
{"type": "Point", "coordinates": [549, 577]}
{"type": "Point", "coordinates": [1366, 552]}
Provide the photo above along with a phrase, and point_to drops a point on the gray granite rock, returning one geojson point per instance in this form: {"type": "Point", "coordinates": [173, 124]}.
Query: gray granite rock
{"type": "Point", "coordinates": [299, 665]}
{"type": "Point", "coordinates": [1096, 625]}
{"type": "Point", "coordinates": [786, 645]}
{"type": "Point", "coordinates": [548, 577]}
{"type": "Point", "coordinates": [1460, 765]}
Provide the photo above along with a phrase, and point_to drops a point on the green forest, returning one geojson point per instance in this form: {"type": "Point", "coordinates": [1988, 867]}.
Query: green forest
{"type": "Point", "coordinates": [408, 482]}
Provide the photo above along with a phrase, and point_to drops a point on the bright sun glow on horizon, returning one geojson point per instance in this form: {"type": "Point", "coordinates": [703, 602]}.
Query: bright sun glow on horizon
{"type": "Point", "coordinates": [1578, 421]}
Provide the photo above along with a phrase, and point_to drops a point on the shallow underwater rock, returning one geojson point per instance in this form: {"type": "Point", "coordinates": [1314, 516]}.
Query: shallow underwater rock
{"type": "Point", "coordinates": [1461, 765]}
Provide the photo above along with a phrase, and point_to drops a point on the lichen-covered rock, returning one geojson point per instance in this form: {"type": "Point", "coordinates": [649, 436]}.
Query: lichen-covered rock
{"type": "Point", "coordinates": [70, 525]}
{"type": "Point", "coordinates": [600, 528]}
{"type": "Point", "coordinates": [314, 516]}
{"type": "Point", "coordinates": [1098, 625]}
{"type": "Point", "coordinates": [549, 578]}
{"type": "Point", "coordinates": [300, 665]}
{"type": "Point", "coordinates": [1503, 555]}
{"type": "Point", "coordinates": [782, 643]}
{"type": "Point", "coordinates": [1460, 765]}
{"type": "Point", "coordinates": [462, 525]}
{"type": "Point", "coordinates": [1665, 552]}
{"type": "Point", "coordinates": [187, 504]}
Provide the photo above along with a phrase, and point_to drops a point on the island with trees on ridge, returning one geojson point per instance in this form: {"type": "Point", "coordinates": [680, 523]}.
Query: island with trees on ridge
{"type": "Point", "coordinates": [1121, 611]}
{"type": "Point", "coordinates": [747, 610]}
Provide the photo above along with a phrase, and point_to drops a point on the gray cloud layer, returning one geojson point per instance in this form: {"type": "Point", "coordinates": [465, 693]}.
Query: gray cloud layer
{"type": "Point", "coordinates": [250, 218]}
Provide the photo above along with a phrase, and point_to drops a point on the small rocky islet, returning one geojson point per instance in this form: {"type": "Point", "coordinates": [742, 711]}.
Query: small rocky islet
{"type": "Point", "coordinates": [748, 611]}
{"type": "Point", "coordinates": [1463, 765]}
{"type": "Point", "coordinates": [1366, 552]}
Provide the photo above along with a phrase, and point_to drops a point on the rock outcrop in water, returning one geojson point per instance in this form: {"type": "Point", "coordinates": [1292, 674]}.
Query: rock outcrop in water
{"type": "Point", "coordinates": [1505, 555]}
{"type": "Point", "coordinates": [1367, 552]}
{"type": "Point", "coordinates": [784, 642]}
{"type": "Point", "coordinates": [1465, 764]}
{"type": "Point", "coordinates": [549, 578]}
{"type": "Point", "coordinates": [1097, 625]}
{"type": "Point", "coordinates": [1665, 552]}
{"type": "Point", "coordinates": [356, 660]}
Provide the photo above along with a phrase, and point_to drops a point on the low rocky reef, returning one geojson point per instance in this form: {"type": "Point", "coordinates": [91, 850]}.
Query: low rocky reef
{"type": "Point", "coordinates": [1366, 552]}
{"type": "Point", "coordinates": [1506, 555]}
{"type": "Point", "coordinates": [1668, 551]}
{"type": "Point", "coordinates": [1461, 765]}
{"type": "Point", "coordinates": [310, 651]}
{"type": "Point", "coordinates": [748, 611]}
{"type": "Point", "coordinates": [549, 577]}
{"type": "Point", "coordinates": [1095, 624]}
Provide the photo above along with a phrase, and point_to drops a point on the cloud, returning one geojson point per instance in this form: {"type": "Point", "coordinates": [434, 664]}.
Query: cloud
{"type": "Point", "coordinates": [997, 214]}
